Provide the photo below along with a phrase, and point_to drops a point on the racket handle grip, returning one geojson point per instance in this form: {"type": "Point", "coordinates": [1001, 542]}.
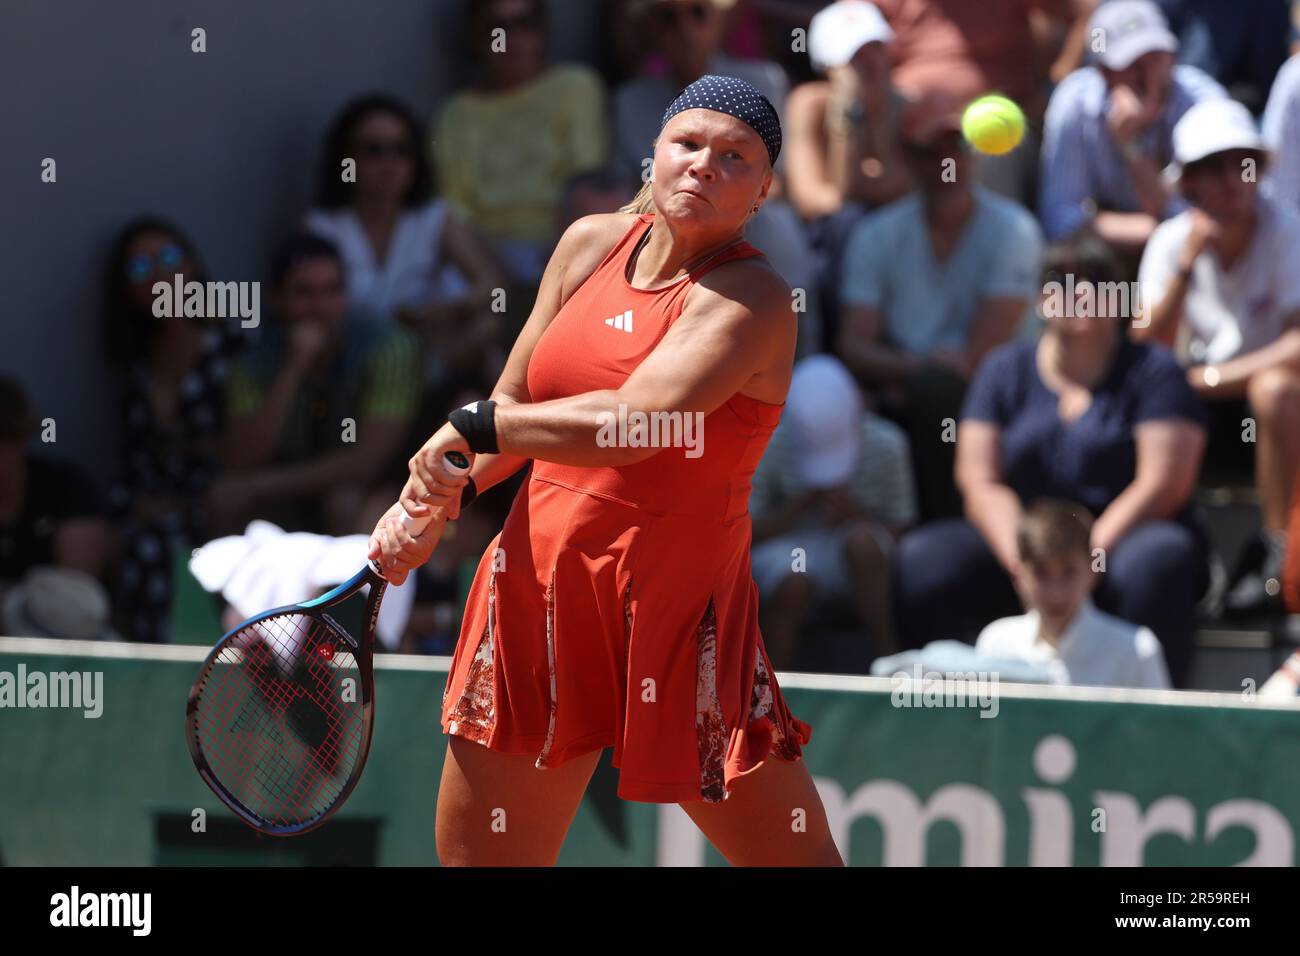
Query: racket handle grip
{"type": "Point", "coordinates": [456, 463]}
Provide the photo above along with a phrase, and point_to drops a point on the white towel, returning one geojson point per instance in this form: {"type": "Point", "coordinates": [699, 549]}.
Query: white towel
{"type": "Point", "coordinates": [267, 567]}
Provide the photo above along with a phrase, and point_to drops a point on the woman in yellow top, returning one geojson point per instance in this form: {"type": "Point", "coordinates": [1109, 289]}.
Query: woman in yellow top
{"type": "Point", "coordinates": [505, 147]}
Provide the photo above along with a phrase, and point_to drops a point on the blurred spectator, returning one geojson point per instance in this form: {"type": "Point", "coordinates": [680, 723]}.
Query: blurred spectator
{"type": "Point", "coordinates": [1063, 629]}
{"type": "Point", "coordinates": [505, 147]}
{"type": "Point", "coordinates": [1224, 277]}
{"type": "Point", "coordinates": [688, 35]}
{"type": "Point", "coordinates": [1241, 44]}
{"type": "Point", "coordinates": [777, 21]}
{"type": "Point", "coordinates": [1083, 414]}
{"type": "Point", "coordinates": [846, 155]}
{"type": "Point", "coordinates": [931, 283]}
{"type": "Point", "coordinates": [1282, 135]}
{"type": "Point", "coordinates": [963, 50]}
{"type": "Point", "coordinates": [835, 483]}
{"type": "Point", "coordinates": [778, 231]}
{"type": "Point", "coordinates": [50, 511]}
{"type": "Point", "coordinates": [1108, 132]}
{"type": "Point", "coordinates": [843, 131]}
{"type": "Point", "coordinates": [408, 257]}
{"type": "Point", "coordinates": [593, 192]}
{"type": "Point", "coordinates": [61, 603]}
{"type": "Point", "coordinates": [172, 372]}
{"type": "Point", "coordinates": [318, 410]}
{"type": "Point", "coordinates": [742, 30]}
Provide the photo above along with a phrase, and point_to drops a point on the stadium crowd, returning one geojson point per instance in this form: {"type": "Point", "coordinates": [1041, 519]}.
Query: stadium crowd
{"type": "Point", "coordinates": [983, 441]}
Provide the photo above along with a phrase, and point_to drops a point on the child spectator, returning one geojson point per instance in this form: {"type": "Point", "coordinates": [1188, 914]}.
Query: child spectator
{"type": "Point", "coordinates": [1063, 629]}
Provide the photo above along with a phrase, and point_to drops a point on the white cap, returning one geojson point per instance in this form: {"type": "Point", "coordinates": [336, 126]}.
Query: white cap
{"type": "Point", "coordinates": [1126, 29]}
{"type": "Point", "coordinates": [838, 31]}
{"type": "Point", "coordinates": [824, 411]}
{"type": "Point", "coordinates": [1209, 127]}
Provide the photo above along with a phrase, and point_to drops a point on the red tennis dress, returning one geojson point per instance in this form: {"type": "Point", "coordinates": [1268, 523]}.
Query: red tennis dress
{"type": "Point", "coordinates": [617, 607]}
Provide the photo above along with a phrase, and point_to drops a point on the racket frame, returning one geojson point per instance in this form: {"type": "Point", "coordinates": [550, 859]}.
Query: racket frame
{"type": "Point", "coordinates": [362, 652]}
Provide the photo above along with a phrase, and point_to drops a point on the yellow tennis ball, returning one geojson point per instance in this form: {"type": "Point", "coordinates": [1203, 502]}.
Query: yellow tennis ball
{"type": "Point", "coordinates": [993, 124]}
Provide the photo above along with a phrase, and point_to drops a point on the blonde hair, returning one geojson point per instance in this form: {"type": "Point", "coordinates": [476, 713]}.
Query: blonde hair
{"type": "Point", "coordinates": [643, 201]}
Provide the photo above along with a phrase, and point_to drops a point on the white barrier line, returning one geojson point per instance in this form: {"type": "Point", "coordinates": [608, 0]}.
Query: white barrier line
{"type": "Point", "coordinates": [126, 650]}
{"type": "Point", "coordinates": [803, 681]}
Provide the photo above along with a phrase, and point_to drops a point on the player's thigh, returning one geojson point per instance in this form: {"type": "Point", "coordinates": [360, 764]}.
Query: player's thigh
{"type": "Point", "coordinates": [498, 809]}
{"type": "Point", "coordinates": [773, 817]}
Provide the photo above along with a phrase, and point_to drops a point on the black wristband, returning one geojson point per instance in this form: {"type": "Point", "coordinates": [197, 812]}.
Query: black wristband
{"type": "Point", "coordinates": [468, 493]}
{"type": "Point", "coordinates": [477, 422]}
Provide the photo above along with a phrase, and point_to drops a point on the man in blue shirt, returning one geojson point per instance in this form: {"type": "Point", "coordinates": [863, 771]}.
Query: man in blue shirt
{"type": "Point", "coordinates": [931, 282]}
{"type": "Point", "coordinates": [1107, 135]}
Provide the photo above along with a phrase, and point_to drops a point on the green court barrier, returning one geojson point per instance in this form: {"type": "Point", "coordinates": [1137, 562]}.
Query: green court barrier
{"type": "Point", "coordinates": [909, 773]}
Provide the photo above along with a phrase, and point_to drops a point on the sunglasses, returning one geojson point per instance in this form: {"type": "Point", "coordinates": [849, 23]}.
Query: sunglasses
{"type": "Point", "coordinates": [669, 15]}
{"type": "Point", "coordinates": [142, 266]}
{"type": "Point", "coordinates": [378, 149]}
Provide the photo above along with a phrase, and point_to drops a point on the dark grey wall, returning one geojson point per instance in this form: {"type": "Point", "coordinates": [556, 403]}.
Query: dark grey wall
{"type": "Point", "coordinates": [224, 142]}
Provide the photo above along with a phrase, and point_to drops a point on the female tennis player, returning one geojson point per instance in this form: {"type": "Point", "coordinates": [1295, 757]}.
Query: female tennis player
{"type": "Point", "coordinates": [616, 607]}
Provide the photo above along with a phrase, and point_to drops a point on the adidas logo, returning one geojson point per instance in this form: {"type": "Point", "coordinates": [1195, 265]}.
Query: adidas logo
{"type": "Point", "coordinates": [623, 321]}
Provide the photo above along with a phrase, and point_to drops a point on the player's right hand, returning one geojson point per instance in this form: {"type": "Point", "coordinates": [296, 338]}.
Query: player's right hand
{"type": "Point", "coordinates": [394, 548]}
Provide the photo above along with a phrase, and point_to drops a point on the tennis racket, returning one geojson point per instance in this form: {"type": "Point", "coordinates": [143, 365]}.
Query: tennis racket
{"type": "Point", "coordinates": [279, 720]}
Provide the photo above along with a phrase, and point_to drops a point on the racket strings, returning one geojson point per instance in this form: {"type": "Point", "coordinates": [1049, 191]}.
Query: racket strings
{"type": "Point", "coordinates": [275, 720]}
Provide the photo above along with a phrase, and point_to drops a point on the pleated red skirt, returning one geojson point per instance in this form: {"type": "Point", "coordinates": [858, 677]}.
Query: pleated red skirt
{"type": "Point", "coordinates": [592, 623]}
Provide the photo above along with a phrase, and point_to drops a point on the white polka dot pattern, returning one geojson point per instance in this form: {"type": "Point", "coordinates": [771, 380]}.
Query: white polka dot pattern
{"type": "Point", "coordinates": [735, 97]}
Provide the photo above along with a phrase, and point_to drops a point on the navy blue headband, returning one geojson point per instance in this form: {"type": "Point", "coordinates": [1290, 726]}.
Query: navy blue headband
{"type": "Point", "coordinates": [726, 94]}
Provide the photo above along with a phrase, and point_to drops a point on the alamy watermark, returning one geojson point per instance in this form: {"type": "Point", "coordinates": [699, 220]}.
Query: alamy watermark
{"type": "Point", "coordinates": [211, 300]}
{"type": "Point", "coordinates": [76, 908]}
{"type": "Point", "coordinates": [79, 690]}
{"type": "Point", "coordinates": [916, 687]}
{"type": "Point", "coordinates": [1114, 300]}
{"type": "Point", "coordinates": [651, 430]}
